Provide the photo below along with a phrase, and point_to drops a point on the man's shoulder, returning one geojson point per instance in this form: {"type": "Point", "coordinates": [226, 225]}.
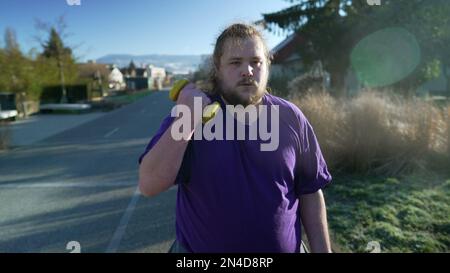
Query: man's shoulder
{"type": "Point", "coordinates": [285, 106]}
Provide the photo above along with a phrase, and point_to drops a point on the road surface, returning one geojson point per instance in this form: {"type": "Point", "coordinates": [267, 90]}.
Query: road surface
{"type": "Point", "coordinates": [81, 185]}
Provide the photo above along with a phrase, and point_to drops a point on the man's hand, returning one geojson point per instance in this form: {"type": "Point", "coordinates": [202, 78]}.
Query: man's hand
{"type": "Point", "coordinates": [188, 93]}
{"type": "Point", "coordinates": [186, 97]}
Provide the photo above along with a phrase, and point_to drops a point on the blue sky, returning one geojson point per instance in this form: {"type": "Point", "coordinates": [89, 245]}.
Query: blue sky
{"type": "Point", "coordinates": [136, 26]}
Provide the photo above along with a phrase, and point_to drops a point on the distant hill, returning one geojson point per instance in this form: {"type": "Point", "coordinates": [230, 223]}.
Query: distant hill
{"type": "Point", "coordinates": [178, 64]}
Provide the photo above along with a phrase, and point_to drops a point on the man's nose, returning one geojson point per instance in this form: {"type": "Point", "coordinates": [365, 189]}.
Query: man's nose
{"type": "Point", "coordinates": [247, 71]}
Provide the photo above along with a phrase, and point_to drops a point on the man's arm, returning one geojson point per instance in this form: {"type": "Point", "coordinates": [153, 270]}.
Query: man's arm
{"type": "Point", "coordinates": [159, 167]}
{"type": "Point", "coordinates": [314, 218]}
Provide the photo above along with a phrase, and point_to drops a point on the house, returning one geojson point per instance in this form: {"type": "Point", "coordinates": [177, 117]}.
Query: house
{"type": "Point", "coordinates": [287, 60]}
{"type": "Point", "coordinates": [287, 63]}
{"type": "Point", "coordinates": [134, 72]}
{"type": "Point", "coordinates": [149, 77]}
{"type": "Point", "coordinates": [136, 83]}
{"type": "Point", "coordinates": [115, 79]}
{"type": "Point", "coordinates": [95, 75]}
{"type": "Point", "coordinates": [135, 78]}
{"type": "Point", "coordinates": [156, 77]}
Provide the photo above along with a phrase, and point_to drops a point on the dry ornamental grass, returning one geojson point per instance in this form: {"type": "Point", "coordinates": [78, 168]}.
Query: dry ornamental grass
{"type": "Point", "coordinates": [379, 133]}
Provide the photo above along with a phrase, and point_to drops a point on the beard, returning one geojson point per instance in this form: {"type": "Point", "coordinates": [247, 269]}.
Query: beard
{"type": "Point", "coordinates": [245, 92]}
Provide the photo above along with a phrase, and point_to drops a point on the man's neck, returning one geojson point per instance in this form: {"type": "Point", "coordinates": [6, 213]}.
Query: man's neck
{"type": "Point", "coordinates": [257, 104]}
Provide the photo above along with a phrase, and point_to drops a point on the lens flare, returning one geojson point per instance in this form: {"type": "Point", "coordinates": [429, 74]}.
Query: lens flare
{"type": "Point", "coordinates": [385, 57]}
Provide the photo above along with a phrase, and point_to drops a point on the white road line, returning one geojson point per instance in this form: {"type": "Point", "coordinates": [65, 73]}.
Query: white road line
{"type": "Point", "coordinates": [111, 132]}
{"type": "Point", "coordinates": [120, 230]}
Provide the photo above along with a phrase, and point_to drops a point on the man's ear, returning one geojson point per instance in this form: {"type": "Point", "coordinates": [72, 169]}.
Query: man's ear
{"type": "Point", "coordinates": [216, 69]}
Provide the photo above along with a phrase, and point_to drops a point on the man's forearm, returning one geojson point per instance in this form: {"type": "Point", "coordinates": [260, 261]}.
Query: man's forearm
{"type": "Point", "coordinates": [159, 168]}
{"type": "Point", "coordinates": [314, 219]}
{"type": "Point", "coordinates": [160, 165]}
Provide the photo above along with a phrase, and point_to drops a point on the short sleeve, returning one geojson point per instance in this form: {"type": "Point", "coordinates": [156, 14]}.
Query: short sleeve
{"type": "Point", "coordinates": [312, 173]}
{"type": "Point", "coordinates": [162, 129]}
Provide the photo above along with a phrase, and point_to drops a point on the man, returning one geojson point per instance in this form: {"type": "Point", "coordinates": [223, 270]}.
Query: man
{"type": "Point", "coordinates": [233, 197]}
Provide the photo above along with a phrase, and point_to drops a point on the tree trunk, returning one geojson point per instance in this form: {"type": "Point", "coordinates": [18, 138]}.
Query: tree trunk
{"type": "Point", "coordinates": [63, 84]}
{"type": "Point", "coordinates": [338, 82]}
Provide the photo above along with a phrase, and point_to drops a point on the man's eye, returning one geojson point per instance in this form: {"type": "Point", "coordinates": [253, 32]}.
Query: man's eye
{"type": "Point", "coordinates": [235, 62]}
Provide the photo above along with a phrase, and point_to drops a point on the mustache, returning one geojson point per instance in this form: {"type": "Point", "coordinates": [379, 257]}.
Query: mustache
{"type": "Point", "coordinates": [247, 82]}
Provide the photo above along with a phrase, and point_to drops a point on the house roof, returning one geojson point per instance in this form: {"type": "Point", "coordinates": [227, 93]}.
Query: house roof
{"type": "Point", "coordinates": [88, 70]}
{"type": "Point", "coordinates": [139, 71]}
{"type": "Point", "coordinates": [287, 50]}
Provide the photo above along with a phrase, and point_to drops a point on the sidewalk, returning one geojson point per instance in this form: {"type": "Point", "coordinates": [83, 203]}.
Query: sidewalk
{"type": "Point", "coordinates": [40, 126]}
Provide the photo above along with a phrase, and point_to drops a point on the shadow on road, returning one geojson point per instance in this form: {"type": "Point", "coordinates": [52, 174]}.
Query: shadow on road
{"type": "Point", "coordinates": [71, 197]}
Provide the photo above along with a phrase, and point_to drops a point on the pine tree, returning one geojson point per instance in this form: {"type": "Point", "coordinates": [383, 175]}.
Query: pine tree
{"type": "Point", "coordinates": [56, 53]}
{"type": "Point", "coordinates": [332, 28]}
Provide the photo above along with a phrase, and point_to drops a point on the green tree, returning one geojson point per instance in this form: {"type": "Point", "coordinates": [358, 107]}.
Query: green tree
{"type": "Point", "coordinates": [58, 62]}
{"type": "Point", "coordinates": [16, 70]}
{"type": "Point", "coordinates": [332, 28]}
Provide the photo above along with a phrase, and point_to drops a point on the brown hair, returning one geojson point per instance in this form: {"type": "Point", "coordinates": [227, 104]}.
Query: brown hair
{"type": "Point", "coordinates": [236, 32]}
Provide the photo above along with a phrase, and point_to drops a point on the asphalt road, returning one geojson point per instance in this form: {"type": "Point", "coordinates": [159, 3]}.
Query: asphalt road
{"type": "Point", "coordinates": [81, 185]}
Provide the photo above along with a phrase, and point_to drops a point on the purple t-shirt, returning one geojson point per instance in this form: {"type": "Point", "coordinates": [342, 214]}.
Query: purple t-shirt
{"type": "Point", "coordinates": [233, 197]}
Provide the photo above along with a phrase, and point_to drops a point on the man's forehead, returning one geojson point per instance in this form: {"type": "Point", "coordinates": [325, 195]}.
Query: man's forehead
{"type": "Point", "coordinates": [243, 48]}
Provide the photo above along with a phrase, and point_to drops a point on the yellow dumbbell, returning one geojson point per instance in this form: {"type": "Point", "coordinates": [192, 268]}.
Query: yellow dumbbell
{"type": "Point", "coordinates": [210, 110]}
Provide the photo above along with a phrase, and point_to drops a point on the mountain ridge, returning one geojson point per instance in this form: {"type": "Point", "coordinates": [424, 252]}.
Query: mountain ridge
{"type": "Point", "coordinates": [177, 64]}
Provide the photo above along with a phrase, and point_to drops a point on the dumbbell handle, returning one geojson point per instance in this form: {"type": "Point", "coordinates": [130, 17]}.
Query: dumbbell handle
{"type": "Point", "coordinates": [208, 113]}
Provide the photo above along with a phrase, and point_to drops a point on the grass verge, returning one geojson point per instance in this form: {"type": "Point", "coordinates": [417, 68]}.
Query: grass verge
{"type": "Point", "coordinates": [409, 214]}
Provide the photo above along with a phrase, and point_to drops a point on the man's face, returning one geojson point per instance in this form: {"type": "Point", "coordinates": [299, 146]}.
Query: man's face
{"type": "Point", "coordinates": [243, 71]}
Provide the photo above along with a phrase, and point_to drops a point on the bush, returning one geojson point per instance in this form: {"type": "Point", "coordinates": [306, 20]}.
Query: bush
{"type": "Point", "coordinates": [306, 84]}
{"type": "Point", "coordinates": [75, 93]}
{"type": "Point", "coordinates": [378, 133]}
{"type": "Point", "coordinates": [279, 85]}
